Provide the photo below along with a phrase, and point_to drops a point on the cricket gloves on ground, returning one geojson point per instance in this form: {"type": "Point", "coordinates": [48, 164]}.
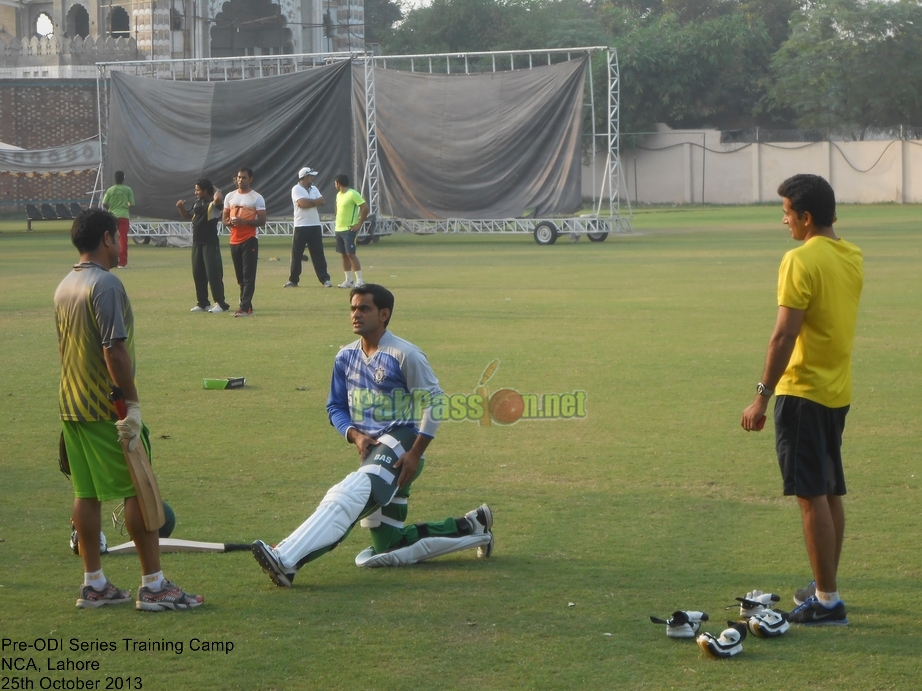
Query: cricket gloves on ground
{"type": "Point", "coordinates": [682, 624]}
{"type": "Point", "coordinates": [728, 644]}
{"type": "Point", "coordinates": [768, 624]}
{"type": "Point", "coordinates": [756, 602]}
{"type": "Point", "coordinates": [129, 428]}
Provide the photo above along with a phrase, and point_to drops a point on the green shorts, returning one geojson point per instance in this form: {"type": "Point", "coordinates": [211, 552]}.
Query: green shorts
{"type": "Point", "coordinates": [97, 462]}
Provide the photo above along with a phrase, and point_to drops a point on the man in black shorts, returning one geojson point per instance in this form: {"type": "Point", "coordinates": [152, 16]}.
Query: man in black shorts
{"type": "Point", "coordinates": [809, 366]}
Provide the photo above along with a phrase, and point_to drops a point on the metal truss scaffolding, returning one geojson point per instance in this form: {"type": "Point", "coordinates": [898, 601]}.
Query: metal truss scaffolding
{"type": "Point", "coordinates": [596, 226]}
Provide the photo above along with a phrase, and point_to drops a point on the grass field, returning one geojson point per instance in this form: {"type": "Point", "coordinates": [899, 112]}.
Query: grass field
{"type": "Point", "coordinates": [656, 501]}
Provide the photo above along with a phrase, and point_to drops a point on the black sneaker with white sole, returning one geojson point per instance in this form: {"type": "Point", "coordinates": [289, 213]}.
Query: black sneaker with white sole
{"type": "Point", "coordinates": [813, 613]}
{"type": "Point", "coordinates": [270, 563]}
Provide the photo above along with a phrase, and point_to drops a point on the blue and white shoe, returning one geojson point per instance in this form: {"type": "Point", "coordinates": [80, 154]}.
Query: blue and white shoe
{"type": "Point", "coordinates": [813, 613]}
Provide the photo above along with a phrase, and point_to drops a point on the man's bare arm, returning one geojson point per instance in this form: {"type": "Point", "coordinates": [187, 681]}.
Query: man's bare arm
{"type": "Point", "coordinates": [363, 209]}
{"type": "Point", "coordinates": [780, 347]}
{"type": "Point", "coordinates": [118, 362]}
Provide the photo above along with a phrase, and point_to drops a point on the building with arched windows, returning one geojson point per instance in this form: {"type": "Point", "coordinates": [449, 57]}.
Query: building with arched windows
{"type": "Point", "coordinates": [60, 38]}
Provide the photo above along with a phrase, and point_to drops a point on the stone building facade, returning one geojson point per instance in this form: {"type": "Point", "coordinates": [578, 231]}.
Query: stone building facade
{"type": "Point", "coordinates": [57, 38]}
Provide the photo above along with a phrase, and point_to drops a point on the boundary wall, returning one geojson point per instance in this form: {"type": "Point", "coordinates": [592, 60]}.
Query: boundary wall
{"type": "Point", "coordinates": [694, 167]}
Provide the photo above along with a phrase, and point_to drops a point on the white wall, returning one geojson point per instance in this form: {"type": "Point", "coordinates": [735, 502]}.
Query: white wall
{"type": "Point", "coordinates": [693, 167]}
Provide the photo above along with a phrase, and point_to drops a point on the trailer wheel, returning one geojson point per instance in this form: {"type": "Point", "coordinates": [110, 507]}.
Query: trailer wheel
{"type": "Point", "coordinates": [597, 237]}
{"type": "Point", "coordinates": [545, 233]}
{"type": "Point", "coordinates": [363, 239]}
{"type": "Point", "coordinates": [141, 239]}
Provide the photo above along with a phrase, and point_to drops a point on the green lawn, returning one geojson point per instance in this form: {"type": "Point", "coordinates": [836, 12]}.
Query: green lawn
{"type": "Point", "coordinates": [656, 501]}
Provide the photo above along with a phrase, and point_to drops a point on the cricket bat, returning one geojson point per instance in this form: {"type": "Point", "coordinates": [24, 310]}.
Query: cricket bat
{"type": "Point", "coordinates": [169, 544]}
{"type": "Point", "coordinates": [485, 419]}
{"type": "Point", "coordinates": [142, 476]}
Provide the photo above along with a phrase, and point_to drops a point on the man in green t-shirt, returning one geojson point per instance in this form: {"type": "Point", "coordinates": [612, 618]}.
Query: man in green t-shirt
{"type": "Point", "coordinates": [118, 199]}
{"type": "Point", "coordinates": [351, 212]}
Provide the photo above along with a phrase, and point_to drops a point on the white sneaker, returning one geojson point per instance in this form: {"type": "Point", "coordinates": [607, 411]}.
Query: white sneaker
{"type": "Point", "coordinates": [359, 284]}
{"type": "Point", "coordinates": [197, 309]}
{"type": "Point", "coordinates": [481, 520]}
{"type": "Point", "coordinates": [346, 284]}
{"type": "Point", "coordinates": [682, 624]}
{"type": "Point", "coordinates": [216, 309]}
{"type": "Point", "coordinates": [327, 284]}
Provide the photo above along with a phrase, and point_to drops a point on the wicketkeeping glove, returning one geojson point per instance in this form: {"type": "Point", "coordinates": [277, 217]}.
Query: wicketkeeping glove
{"type": "Point", "coordinates": [129, 428]}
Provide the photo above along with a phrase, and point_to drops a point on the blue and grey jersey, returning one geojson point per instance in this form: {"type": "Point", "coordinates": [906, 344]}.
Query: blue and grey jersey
{"type": "Point", "coordinates": [395, 387]}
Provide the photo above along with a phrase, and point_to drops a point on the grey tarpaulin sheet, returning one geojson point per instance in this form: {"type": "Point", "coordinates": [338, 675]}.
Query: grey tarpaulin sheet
{"type": "Point", "coordinates": [496, 145]}
{"type": "Point", "coordinates": [166, 134]}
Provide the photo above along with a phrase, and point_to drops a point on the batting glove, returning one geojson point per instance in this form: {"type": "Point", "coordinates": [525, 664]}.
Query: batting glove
{"type": "Point", "coordinates": [768, 624]}
{"type": "Point", "coordinates": [129, 428]}
{"type": "Point", "coordinates": [728, 644]}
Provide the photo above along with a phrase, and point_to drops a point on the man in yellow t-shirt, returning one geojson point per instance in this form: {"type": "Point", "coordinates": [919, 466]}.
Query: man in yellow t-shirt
{"type": "Point", "coordinates": [809, 366]}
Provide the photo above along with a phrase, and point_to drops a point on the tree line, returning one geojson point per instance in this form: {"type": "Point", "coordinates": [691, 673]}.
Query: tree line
{"type": "Point", "coordinates": [729, 64]}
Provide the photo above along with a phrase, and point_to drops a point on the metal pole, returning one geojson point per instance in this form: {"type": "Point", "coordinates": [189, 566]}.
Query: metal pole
{"type": "Point", "coordinates": [704, 143]}
{"type": "Point", "coordinates": [103, 121]}
{"type": "Point", "coordinates": [371, 136]}
{"type": "Point", "coordinates": [592, 119]}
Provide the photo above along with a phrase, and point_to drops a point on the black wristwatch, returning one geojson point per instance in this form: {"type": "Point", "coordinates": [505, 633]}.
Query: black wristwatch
{"type": "Point", "coordinates": [763, 390]}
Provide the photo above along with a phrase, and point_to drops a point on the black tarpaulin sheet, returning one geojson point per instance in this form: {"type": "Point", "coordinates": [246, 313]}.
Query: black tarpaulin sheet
{"type": "Point", "coordinates": [166, 134]}
{"type": "Point", "coordinates": [497, 145]}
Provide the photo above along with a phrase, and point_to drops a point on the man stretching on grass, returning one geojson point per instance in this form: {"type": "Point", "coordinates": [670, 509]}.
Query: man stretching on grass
{"type": "Point", "coordinates": [809, 366]}
{"type": "Point", "coordinates": [382, 399]}
{"type": "Point", "coordinates": [96, 342]}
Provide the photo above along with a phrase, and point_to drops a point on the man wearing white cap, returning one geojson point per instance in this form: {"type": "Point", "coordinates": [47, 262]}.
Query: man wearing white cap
{"type": "Point", "coordinates": [308, 232]}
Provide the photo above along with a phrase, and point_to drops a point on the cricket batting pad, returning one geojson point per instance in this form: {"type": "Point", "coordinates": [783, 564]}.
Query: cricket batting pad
{"type": "Point", "coordinates": [334, 517]}
{"type": "Point", "coordinates": [424, 549]}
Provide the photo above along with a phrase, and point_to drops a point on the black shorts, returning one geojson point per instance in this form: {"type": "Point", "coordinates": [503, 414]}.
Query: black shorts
{"type": "Point", "coordinates": [345, 241]}
{"type": "Point", "coordinates": [808, 439]}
